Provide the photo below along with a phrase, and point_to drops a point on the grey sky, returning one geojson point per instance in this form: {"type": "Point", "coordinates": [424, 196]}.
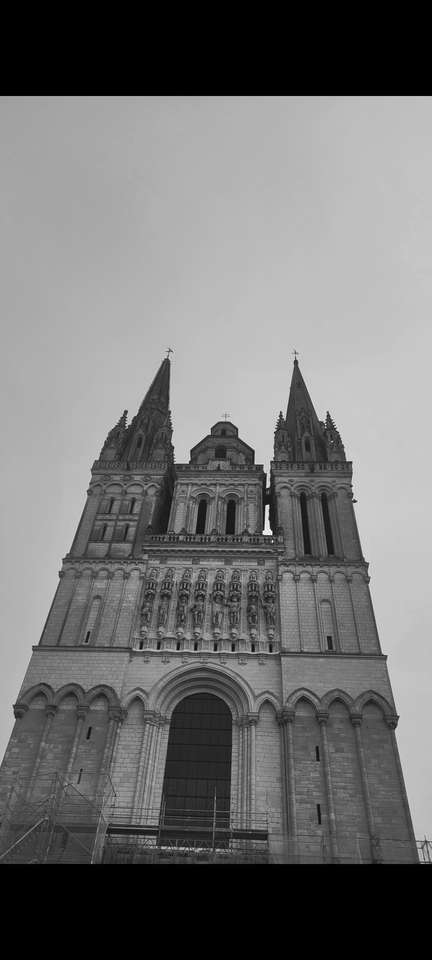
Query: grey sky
{"type": "Point", "coordinates": [233, 230]}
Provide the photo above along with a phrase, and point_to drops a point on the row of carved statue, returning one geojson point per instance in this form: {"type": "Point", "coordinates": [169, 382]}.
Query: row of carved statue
{"type": "Point", "coordinates": [194, 600]}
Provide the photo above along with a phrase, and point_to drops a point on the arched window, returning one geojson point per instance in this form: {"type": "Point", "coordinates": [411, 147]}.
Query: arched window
{"type": "Point", "coordinates": [327, 524]}
{"type": "Point", "coordinates": [220, 453]}
{"type": "Point", "coordinates": [230, 517]}
{"type": "Point", "coordinates": [305, 524]}
{"type": "Point", "coordinates": [307, 445]}
{"type": "Point", "coordinates": [201, 518]}
{"type": "Point", "coordinates": [125, 532]}
{"type": "Point", "coordinates": [197, 782]}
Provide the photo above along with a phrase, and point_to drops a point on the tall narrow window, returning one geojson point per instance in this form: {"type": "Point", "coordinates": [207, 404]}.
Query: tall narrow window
{"type": "Point", "coordinates": [327, 524]}
{"type": "Point", "coordinates": [305, 524]}
{"type": "Point", "coordinates": [201, 518]}
{"type": "Point", "coordinates": [132, 505]}
{"type": "Point", "coordinates": [125, 532]}
{"type": "Point", "coordinates": [230, 516]}
{"type": "Point", "coordinates": [110, 506]}
{"type": "Point", "coordinates": [104, 530]}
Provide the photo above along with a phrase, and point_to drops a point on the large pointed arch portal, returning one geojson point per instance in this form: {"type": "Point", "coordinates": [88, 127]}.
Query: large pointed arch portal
{"type": "Point", "coordinates": [197, 783]}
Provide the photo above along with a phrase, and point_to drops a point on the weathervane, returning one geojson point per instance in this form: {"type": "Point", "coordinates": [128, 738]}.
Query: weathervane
{"type": "Point", "coordinates": [295, 354]}
{"type": "Point", "coordinates": [226, 415]}
{"type": "Point", "coordinates": [169, 351]}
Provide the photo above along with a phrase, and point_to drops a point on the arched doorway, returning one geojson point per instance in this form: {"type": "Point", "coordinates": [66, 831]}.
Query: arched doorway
{"type": "Point", "coordinates": [197, 783]}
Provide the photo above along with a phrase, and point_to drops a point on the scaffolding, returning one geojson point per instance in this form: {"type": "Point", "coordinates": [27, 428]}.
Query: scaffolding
{"type": "Point", "coordinates": [58, 824]}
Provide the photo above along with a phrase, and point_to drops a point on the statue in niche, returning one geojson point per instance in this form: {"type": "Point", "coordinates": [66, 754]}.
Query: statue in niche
{"type": "Point", "coordinates": [234, 611]}
{"type": "Point", "coordinates": [198, 613]}
{"type": "Point", "coordinates": [217, 615]}
{"type": "Point", "coordinates": [146, 612]}
{"type": "Point", "coordinates": [252, 613]}
{"type": "Point", "coordinates": [269, 611]}
{"type": "Point", "coordinates": [181, 613]}
{"type": "Point", "coordinates": [163, 612]}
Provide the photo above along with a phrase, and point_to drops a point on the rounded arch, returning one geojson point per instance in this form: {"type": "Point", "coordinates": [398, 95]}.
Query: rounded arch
{"type": "Point", "coordinates": [69, 688]}
{"type": "Point", "coordinates": [203, 491]}
{"type": "Point", "coordinates": [151, 489]}
{"type": "Point", "coordinates": [102, 690]}
{"type": "Point", "coordinates": [167, 692]}
{"type": "Point", "coordinates": [231, 493]}
{"type": "Point", "coordinates": [302, 487]}
{"type": "Point", "coordinates": [95, 488]}
{"type": "Point", "coordinates": [302, 693]}
{"type": "Point", "coordinates": [39, 689]}
{"type": "Point", "coordinates": [135, 487]}
{"type": "Point", "coordinates": [114, 488]}
{"type": "Point", "coordinates": [324, 487]}
{"type": "Point", "coordinates": [337, 694]}
{"type": "Point", "coordinates": [371, 696]}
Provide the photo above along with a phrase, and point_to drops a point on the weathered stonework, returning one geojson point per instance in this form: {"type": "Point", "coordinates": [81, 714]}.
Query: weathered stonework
{"type": "Point", "coordinates": [171, 589]}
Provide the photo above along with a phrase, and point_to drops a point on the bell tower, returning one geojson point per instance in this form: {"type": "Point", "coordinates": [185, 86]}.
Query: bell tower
{"type": "Point", "coordinates": [225, 688]}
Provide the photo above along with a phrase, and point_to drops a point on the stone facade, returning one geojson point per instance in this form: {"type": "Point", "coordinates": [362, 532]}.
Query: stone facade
{"type": "Point", "coordinates": [171, 589]}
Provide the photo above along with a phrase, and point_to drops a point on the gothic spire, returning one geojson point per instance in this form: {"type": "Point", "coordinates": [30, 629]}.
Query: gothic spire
{"type": "Point", "coordinates": [158, 393]}
{"type": "Point", "coordinates": [302, 424]}
{"type": "Point", "coordinates": [149, 435]}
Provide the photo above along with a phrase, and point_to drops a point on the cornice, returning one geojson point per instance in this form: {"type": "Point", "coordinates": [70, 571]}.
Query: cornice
{"type": "Point", "coordinates": [332, 655]}
{"type": "Point", "coordinates": [315, 467]}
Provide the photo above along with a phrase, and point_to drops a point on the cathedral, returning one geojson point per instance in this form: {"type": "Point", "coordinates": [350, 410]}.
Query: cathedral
{"type": "Point", "coordinates": [202, 690]}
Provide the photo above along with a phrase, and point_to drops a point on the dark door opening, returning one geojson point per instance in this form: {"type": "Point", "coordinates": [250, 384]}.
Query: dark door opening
{"type": "Point", "coordinates": [197, 784]}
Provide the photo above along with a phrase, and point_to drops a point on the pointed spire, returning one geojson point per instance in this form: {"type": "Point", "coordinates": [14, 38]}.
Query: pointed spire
{"type": "Point", "coordinates": [149, 434]}
{"type": "Point", "coordinates": [115, 439]}
{"type": "Point", "coordinates": [335, 447]}
{"type": "Point", "coordinates": [302, 423]}
{"type": "Point", "coordinates": [158, 392]}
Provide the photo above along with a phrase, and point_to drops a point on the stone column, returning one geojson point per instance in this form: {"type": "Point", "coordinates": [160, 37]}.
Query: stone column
{"type": "Point", "coordinates": [322, 717]}
{"type": "Point", "coordinates": [115, 717]}
{"type": "Point", "coordinates": [313, 517]}
{"type": "Point", "coordinates": [286, 719]}
{"type": "Point", "coordinates": [119, 609]}
{"type": "Point", "coordinates": [155, 721]}
{"type": "Point", "coordinates": [392, 723]}
{"type": "Point", "coordinates": [296, 578]}
{"type": "Point", "coordinates": [142, 763]}
{"type": "Point", "coordinates": [252, 722]}
{"type": "Point", "coordinates": [319, 519]}
{"type": "Point", "coordinates": [298, 529]}
{"type": "Point", "coordinates": [356, 720]}
{"type": "Point", "coordinates": [82, 712]}
{"type": "Point", "coordinates": [334, 523]}
{"type": "Point", "coordinates": [349, 582]}
{"type": "Point", "coordinates": [245, 761]}
{"type": "Point", "coordinates": [86, 523]}
{"type": "Point", "coordinates": [50, 712]}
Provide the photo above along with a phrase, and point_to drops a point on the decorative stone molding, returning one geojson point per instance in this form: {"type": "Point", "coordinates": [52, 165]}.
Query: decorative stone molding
{"type": "Point", "coordinates": [20, 709]}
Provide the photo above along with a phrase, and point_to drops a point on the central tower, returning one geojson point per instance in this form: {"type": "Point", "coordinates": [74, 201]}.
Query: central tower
{"type": "Point", "coordinates": [228, 685]}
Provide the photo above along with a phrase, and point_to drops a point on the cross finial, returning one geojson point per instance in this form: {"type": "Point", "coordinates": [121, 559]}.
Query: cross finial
{"type": "Point", "coordinates": [169, 351]}
{"type": "Point", "coordinates": [295, 355]}
{"type": "Point", "coordinates": [226, 415]}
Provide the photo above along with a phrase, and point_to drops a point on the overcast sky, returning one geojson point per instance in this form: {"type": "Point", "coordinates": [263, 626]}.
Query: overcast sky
{"type": "Point", "coordinates": [233, 230]}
